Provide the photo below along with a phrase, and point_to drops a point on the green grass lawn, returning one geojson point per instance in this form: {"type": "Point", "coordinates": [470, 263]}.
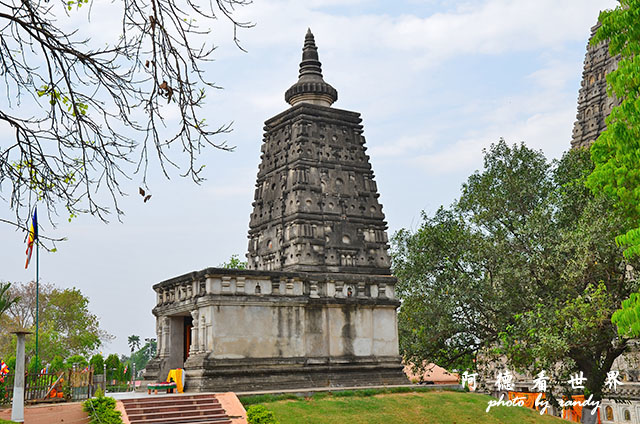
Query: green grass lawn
{"type": "Point", "coordinates": [435, 407]}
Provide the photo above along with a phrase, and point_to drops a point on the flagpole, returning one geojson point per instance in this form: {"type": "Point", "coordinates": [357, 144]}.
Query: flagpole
{"type": "Point", "coordinates": [37, 295]}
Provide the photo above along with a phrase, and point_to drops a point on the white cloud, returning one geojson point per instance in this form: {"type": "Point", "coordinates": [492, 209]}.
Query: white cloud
{"type": "Point", "coordinates": [488, 27]}
{"type": "Point", "coordinates": [405, 145]}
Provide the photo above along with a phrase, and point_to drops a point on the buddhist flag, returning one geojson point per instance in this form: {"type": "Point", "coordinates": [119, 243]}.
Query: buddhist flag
{"type": "Point", "coordinates": [33, 236]}
{"type": "Point", "coordinates": [4, 368]}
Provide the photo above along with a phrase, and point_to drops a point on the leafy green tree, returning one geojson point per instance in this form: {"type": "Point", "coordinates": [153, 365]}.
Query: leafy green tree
{"type": "Point", "coordinates": [97, 362]}
{"type": "Point", "coordinates": [142, 356]}
{"type": "Point", "coordinates": [234, 262]}
{"type": "Point", "coordinates": [523, 266]}
{"type": "Point", "coordinates": [57, 364]}
{"type": "Point", "coordinates": [78, 361]}
{"type": "Point", "coordinates": [67, 326]}
{"type": "Point", "coordinates": [113, 365]}
{"type": "Point", "coordinates": [75, 326]}
{"type": "Point", "coordinates": [616, 153]}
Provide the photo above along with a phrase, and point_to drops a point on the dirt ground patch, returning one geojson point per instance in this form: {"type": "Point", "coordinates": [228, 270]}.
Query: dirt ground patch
{"type": "Point", "coordinates": [64, 413]}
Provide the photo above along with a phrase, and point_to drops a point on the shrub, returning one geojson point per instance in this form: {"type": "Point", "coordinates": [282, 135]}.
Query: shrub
{"type": "Point", "coordinates": [258, 414]}
{"type": "Point", "coordinates": [5, 399]}
{"type": "Point", "coordinates": [102, 409]}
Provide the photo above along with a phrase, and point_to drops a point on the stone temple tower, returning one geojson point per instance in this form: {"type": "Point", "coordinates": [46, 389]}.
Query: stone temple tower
{"type": "Point", "coordinates": [593, 103]}
{"type": "Point", "coordinates": [317, 306]}
{"type": "Point", "coordinates": [316, 202]}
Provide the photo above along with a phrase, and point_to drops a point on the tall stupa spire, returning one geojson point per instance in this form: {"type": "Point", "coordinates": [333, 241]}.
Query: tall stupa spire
{"type": "Point", "coordinates": [594, 105]}
{"type": "Point", "coordinates": [316, 205]}
{"type": "Point", "coordinates": [310, 88]}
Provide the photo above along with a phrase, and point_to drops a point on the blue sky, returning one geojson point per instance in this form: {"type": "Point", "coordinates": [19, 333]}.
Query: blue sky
{"type": "Point", "coordinates": [435, 81]}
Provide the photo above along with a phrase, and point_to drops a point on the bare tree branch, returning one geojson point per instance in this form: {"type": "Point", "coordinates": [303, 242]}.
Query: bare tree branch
{"type": "Point", "coordinates": [84, 137]}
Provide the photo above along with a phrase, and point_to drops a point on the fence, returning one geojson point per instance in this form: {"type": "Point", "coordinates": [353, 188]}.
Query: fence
{"type": "Point", "coordinates": [69, 385]}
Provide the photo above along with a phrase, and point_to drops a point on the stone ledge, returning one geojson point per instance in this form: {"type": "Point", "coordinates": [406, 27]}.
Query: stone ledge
{"type": "Point", "coordinates": [319, 276]}
{"type": "Point", "coordinates": [272, 300]}
{"type": "Point", "coordinates": [292, 373]}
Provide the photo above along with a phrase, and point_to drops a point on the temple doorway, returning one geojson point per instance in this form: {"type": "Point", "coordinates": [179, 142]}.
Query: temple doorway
{"type": "Point", "coordinates": [186, 337]}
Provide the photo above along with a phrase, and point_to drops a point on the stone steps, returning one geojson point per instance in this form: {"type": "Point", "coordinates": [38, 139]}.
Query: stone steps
{"type": "Point", "coordinates": [172, 401]}
{"type": "Point", "coordinates": [183, 409]}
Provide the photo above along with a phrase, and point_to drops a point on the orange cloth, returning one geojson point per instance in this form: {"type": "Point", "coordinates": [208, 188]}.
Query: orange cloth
{"type": "Point", "coordinates": [574, 413]}
{"type": "Point", "coordinates": [529, 398]}
{"type": "Point", "coordinates": [176, 375]}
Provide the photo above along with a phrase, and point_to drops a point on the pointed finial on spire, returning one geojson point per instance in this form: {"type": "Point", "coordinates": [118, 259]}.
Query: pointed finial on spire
{"type": "Point", "coordinates": [311, 88]}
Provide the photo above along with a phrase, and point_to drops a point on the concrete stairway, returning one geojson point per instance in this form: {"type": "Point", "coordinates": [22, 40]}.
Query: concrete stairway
{"type": "Point", "coordinates": [182, 409]}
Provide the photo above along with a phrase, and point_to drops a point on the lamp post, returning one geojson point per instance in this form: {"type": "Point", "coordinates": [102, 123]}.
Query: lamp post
{"type": "Point", "coordinates": [17, 406]}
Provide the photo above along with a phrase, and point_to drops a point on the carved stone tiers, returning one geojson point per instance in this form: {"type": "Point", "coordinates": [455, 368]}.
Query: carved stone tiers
{"type": "Point", "coordinates": [316, 201]}
{"type": "Point", "coordinates": [593, 103]}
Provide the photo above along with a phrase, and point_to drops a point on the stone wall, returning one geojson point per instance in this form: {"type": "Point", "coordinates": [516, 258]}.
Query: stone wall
{"type": "Point", "coordinates": [297, 328]}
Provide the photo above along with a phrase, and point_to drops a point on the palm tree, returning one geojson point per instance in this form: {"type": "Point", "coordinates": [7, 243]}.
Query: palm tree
{"type": "Point", "coordinates": [134, 342]}
{"type": "Point", "coordinates": [5, 298]}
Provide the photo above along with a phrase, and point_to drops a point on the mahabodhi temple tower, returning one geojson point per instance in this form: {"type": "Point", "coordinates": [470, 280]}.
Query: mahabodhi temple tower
{"type": "Point", "coordinates": [593, 103]}
{"type": "Point", "coordinates": [316, 306]}
{"type": "Point", "coordinates": [316, 203]}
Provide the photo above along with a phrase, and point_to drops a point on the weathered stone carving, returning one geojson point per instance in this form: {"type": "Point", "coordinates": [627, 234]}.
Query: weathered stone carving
{"type": "Point", "coordinates": [593, 103]}
{"type": "Point", "coordinates": [308, 311]}
{"type": "Point", "coordinates": [193, 349]}
{"type": "Point", "coordinates": [316, 203]}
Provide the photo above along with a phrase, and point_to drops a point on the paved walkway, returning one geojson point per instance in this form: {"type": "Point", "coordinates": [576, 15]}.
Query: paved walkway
{"type": "Point", "coordinates": [60, 413]}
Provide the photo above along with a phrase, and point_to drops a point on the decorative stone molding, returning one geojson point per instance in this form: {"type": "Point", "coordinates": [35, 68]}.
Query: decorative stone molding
{"type": "Point", "coordinates": [382, 291]}
{"type": "Point", "coordinates": [202, 336]}
{"type": "Point", "coordinates": [194, 348]}
{"type": "Point", "coordinates": [226, 284]}
{"type": "Point", "coordinates": [166, 331]}
{"type": "Point", "coordinates": [313, 290]}
{"type": "Point", "coordinates": [240, 282]}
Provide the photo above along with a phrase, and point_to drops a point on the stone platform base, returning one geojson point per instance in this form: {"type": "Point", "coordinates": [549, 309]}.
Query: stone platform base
{"type": "Point", "coordinates": [204, 374]}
